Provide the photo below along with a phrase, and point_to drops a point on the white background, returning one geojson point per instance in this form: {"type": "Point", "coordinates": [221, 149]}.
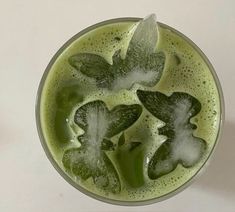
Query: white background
{"type": "Point", "coordinates": [32, 31]}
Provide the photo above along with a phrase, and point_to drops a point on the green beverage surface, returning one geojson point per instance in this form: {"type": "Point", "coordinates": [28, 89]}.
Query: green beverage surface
{"type": "Point", "coordinates": [66, 89]}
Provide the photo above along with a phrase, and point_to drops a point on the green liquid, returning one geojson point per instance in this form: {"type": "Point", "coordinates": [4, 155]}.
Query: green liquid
{"type": "Point", "coordinates": [65, 90]}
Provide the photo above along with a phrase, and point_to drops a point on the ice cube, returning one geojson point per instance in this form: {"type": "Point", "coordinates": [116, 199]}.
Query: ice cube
{"type": "Point", "coordinates": [141, 64]}
{"type": "Point", "coordinates": [144, 39]}
{"type": "Point", "coordinates": [135, 76]}
{"type": "Point", "coordinates": [185, 147]}
{"type": "Point", "coordinates": [97, 123]}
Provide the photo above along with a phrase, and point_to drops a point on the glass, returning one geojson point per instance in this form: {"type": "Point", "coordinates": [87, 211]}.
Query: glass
{"type": "Point", "coordinates": [65, 176]}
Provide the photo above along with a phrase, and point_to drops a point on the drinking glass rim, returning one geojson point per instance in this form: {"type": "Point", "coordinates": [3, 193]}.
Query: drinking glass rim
{"type": "Point", "coordinates": [77, 186]}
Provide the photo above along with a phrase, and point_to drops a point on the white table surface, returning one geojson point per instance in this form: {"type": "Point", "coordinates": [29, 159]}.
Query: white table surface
{"type": "Point", "coordinates": [32, 31]}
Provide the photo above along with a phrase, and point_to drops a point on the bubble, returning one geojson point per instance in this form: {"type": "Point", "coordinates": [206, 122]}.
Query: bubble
{"type": "Point", "coordinates": [117, 38]}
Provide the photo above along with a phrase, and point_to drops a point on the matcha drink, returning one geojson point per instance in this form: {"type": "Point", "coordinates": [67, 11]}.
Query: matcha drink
{"type": "Point", "coordinates": [129, 111]}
